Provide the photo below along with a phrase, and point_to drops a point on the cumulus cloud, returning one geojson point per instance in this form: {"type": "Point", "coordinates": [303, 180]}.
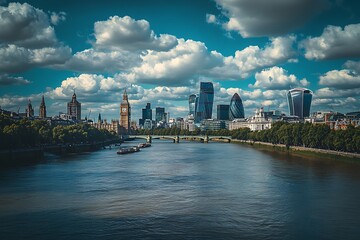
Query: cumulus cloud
{"type": "Point", "coordinates": [253, 18]}
{"type": "Point", "coordinates": [341, 79]}
{"type": "Point", "coordinates": [7, 80]}
{"type": "Point", "coordinates": [56, 18]}
{"type": "Point", "coordinates": [26, 26]}
{"type": "Point", "coordinates": [253, 58]}
{"type": "Point", "coordinates": [17, 59]}
{"type": "Point", "coordinates": [211, 18]}
{"type": "Point", "coordinates": [353, 66]}
{"type": "Point", "coordinates": [91, 60]}
{"type": "Point", "coordinates": [277, 78]}
{"type": "Point", "coordinates": [130, 34]}
{"type": "Point", "coordinates": [334, 43]}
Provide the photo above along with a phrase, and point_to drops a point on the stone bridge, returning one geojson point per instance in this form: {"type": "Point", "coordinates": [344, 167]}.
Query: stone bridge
{"type": "Point", "coordinates": [177, 138]}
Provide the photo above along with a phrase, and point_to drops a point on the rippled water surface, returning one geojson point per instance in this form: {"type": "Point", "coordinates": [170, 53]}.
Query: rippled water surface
{"type": "Point", "coordinates": [188, 190]}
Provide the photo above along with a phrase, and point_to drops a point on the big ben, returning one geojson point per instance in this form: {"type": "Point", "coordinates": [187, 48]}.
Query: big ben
{"type": "Point", "coordinates": [125, 112]}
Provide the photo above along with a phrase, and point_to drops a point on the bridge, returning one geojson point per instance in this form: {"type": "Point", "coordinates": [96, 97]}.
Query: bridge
{"type": "Point", "coordinates": [177, 138]}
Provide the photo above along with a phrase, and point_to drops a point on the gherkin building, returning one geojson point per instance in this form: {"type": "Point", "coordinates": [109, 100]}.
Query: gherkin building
{"type": "Point", "coordinates": [236, 109]}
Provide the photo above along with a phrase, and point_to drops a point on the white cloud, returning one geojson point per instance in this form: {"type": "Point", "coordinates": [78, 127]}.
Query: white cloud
{"type": "Point", "coordinates": [353, 66]}
{"type": "Point", "coordinates": [56, 18]}
{"type": "Point", "coordinates": [211, 18]}
{"type": "Point", "coordinates": [130, 34]}
{"type": "Point", "coordinates": [253, 58]}
{"type": "Point", "coordinates": [334, 43]}
{"type": "Point", "coordinates": [268, 18]}
{"type": "Point", "coordinates": [26, 26]}
{"type": "Point", "coordinates": [277, 78]}
{"type": "Point", "coordinates": [341, 79]}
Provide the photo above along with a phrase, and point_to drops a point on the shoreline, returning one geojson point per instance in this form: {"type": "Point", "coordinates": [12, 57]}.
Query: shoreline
{"type": "Point", "coordinates": [303, 151]}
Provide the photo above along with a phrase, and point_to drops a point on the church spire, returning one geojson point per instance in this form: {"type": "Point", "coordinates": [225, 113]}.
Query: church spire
{"type": "Point", "coordinates": [125, 96]}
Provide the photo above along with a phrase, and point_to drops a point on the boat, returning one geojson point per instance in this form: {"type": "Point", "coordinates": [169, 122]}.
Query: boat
{"type": "Point", "coordinates": [125, 150]}
{"type": "Point", "coordinates": [144, 145]}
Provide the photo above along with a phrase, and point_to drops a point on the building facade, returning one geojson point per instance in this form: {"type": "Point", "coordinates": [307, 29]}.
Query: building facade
{"type": "Point", "coordinates": [42, 109]}
{"type": "Point", "coordinates": [222, 112]}
{"type": "Point", "coordinates": [192, 104]}
{"type": "Point", "coordinates": [74, 108]}
{"type": "Point", "coordinates": [29, 110]}
{"type": "Point", "coordinates": [146, 114]}
{"type": "Point", "coordinates": [160, 115]}
{"type": "Point", "coordinates": [236, 109]}
{"type": "Point", "coordinates": [205, 102]}
{"type": "Point", "coordinates": [125, 112]}
{"type": "Point", "coordinates": [299, 100]}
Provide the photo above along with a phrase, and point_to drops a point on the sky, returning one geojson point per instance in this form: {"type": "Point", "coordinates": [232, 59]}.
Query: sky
{"type": "Point", "coordinates": [161, 50]}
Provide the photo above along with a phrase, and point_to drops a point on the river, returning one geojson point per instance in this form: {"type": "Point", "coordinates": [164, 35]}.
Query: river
{"type": "Point", "coordinates": [188, 190]}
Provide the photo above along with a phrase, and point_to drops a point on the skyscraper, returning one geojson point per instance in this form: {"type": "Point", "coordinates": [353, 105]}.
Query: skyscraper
{"type": "Point", "coordinates": [42, 109]}
{"type": "Point", "coordinates": [205, 102]}
{"type": "Point", "coordinates": [222, 112]}
{"type": "Point", "coordinates": [236, 109]}
{"type": "Point", "coordinates": [146, 114]}
{"type": "Point", "coordinates": [74, 108]}
{"type": "Point", "coordinates": [160, 114]}
{"type": "Point", "coordinates": [299, 100]}
{"type": "Point", "coordinates": [192, 104]}
{"type": "Point", "coordinates": [125, 112]}
{"type": "Point", "coordinates": [29, 110]}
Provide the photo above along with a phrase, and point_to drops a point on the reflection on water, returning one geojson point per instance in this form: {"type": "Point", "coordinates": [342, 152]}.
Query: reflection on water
{"type": "Point", "coordinates": [187, 190]}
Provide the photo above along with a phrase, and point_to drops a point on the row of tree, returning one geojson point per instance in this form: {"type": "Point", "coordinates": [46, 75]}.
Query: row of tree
{"type": "Point", "coordinates": [290, 134]}
{"type": "Point", "coordinates": [26, 133]}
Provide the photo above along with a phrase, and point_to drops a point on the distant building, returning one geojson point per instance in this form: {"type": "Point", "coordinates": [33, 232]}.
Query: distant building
{"type": "Point", "coordinates": [205, 102]}
{"type": "Point", "coordinates": [125, 113]}
{"type": "Point", "coordinates": [192, 104]}
{"type": "Point", "coordinates": [29, 110]}
{"type": "Point", "coordinates": [259, 121]}
{"type": "Point", "coordinates": [113, 126]}
{"type": "Point", "coordinates": [236, 108]}
{"type": "Point", "coordinates": [238, 123]}
{"type": "Point", "coordinates": [222, 112]}
{"type": "Point", "coordinates": [211, 124]}
{"type": "Point", "coordinates": [299, 100]}
{"type": "Point", "coordinates": [42, 109]}
{"type": "Point", "coordinates": [74, 108]}
{"type": "Point", "coordinates": [146, 114]}
{"type": "Point", "coordinates": [160, 115]}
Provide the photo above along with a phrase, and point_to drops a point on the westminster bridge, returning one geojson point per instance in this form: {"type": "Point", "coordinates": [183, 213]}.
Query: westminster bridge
{"type": "Point", "coordinates": [177, 138]}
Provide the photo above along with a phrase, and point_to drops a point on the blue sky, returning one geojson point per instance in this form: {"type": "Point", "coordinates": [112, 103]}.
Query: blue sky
{"type": "Point", "coordinates": [160, 51]}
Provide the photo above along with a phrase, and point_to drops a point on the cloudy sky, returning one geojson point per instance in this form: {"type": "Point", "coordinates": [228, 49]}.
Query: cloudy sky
{"type": "Point", "coordinates": [161, 50]}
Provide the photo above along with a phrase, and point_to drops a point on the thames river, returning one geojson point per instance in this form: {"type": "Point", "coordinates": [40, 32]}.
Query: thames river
{"type": "Point", "coordinates": [188, 190]}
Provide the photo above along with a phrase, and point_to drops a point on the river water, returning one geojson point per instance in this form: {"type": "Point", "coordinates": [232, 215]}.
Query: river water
{"type": "Point", "coordinates": [188, 190]}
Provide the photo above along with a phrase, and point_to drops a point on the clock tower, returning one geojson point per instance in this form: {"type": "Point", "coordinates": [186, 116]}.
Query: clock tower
{"type": "Point", "coordinates": [125, 112]}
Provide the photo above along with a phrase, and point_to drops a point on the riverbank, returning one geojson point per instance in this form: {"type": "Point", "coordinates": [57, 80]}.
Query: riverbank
{"type": "Point", "coordinates": [35, 154]}
{"type": "Point", "coordinates": [303, 151]}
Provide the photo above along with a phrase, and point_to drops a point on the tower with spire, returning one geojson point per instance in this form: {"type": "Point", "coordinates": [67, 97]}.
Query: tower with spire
{"type": "Point", "coordinates": [42, 109]}
{"type": "Point", "coordinates": [125, 112]}
{"type": "Point", "coordinates": [74, 108]}
{"type": "Point", "coordinates": [29, 110]}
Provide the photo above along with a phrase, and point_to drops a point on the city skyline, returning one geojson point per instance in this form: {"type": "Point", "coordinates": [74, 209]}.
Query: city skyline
{"type": "Point", "coordinates": [160, 55]}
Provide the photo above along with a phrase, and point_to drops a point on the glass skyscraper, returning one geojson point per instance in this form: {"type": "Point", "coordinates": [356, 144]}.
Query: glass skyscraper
{"type": "Point", "coordinates": [160, 114]}
{"type": "Point", "coordinates": [222, 112]}
{"type": "Point", "coordinates": [236, 109]}
{"type": "Point", "coordinates": [192, 104]}
{"type": "Point", "coordinates": [205, 102]}
{"type": "Point", "coordinates": [299, 100]}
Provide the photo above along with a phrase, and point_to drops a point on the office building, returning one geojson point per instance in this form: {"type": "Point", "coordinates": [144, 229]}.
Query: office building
{"type": "Point", "coordinates": [205, 102]}
{"type": "Point", "coordinates": [223, 112]}
{"type": "Point", "coordinates": [236, 109]}
{"type": "Point", "coordinates": [299, 100]}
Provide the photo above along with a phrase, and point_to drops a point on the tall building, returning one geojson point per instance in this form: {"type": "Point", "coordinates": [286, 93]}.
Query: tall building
{"type": "Point", "coordinates": [192, 104]}
{"type": "Point", "coordinates": [146, 114]}
{"type": "Point", "coordinates": [205, 103]}
{"type": "Point", "coordinates": [223, 112]}
{"type": "Point", "coordinates": [160, 114]}
{"type": "Point", "coordinates": [236, 108]}
{"type": "Point", "coordinates": [29, 110]}
{"type": "Point", "coordinates": [125, 112]}
{"type": "Point", "coordinates": [42, 109]}
{"type": "Point", "coordinates": [299, 100]}
{"type": "Point", "coordinates": [74, 108]}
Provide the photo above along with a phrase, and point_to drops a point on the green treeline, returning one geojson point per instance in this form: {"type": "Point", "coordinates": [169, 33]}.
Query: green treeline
{"type": "Point", "coordinates": [290, 134]}
{"type": "Point", "coordinates": [26, 133]}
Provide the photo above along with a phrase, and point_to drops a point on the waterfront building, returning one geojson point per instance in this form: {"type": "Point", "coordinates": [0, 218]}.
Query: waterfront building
{"type": "Point", "coordinates": [259, 121]}
{"type": "Point", "coordinates": [192, 104]}
{"type": "Point", "coordinates": [223, 112]}
{"type": "Point", "coordinates": [42, 109]}
{"type": "Point", "coordinates": [205, 102]}
{"type": "Point", "coordinates": [211, 124]}
{"type": "Point", "coordinates": [299, 100]}
{"type": "Point", "coordinates": [29, 110]}
{"type": "Point", "coordinates": [160, 115]}
{"type": "Point", "coordinates": [236, 109]}
{"type": "Point", "coordinates": [125, 112]}
{"type": "Point", "coordinates": [238, 123]}
{"type": "Point", "coordinates": [113, 126]}
{"type": "Point", "coordinates": [74, 108]}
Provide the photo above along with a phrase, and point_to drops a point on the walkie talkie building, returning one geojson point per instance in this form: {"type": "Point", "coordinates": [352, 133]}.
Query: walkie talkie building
{"type": "Point", "coordinates": [299, 100]}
